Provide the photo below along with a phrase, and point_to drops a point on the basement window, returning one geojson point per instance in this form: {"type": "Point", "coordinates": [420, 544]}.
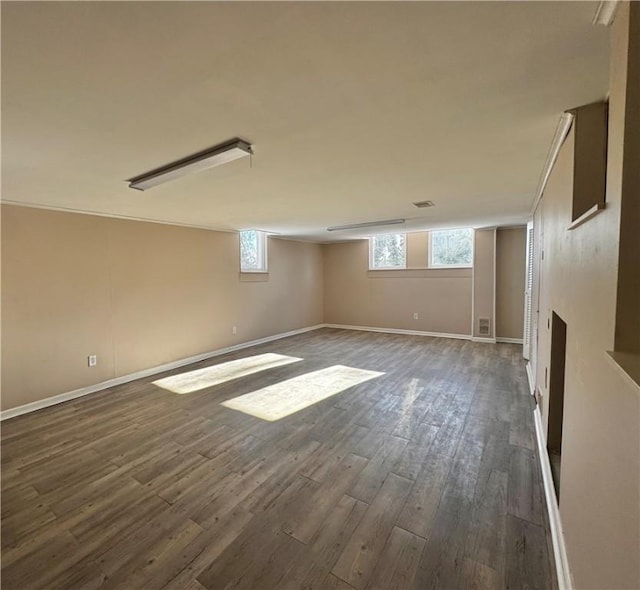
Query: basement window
{"type": "Point", "coordinates": [388, 251]}
{"type": "Point", "coordinates": [451, 248]}
{"type": "Point", "coordinates": [253, 251]}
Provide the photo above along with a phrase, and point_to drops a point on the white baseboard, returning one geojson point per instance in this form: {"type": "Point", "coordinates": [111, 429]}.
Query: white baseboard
{"type": "Point", "coordinates": [63, 397]}
{"type": "Point", "coordinates": [398, 331]}
{"type": "Point", "coordinates": [557, 536]}
{"type": "Point", "coordinates": [530, 379]}
{"type": "Point", "coordinates": [483, 339]}
{"type": "Point", "coordinates": [509, 340]}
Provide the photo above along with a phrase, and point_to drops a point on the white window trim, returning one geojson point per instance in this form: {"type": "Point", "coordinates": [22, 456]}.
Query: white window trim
{"type": "Point", "coordinates": [371, 267]}
{"type": "Point", "coordinates": [262, 253]}
{"type": "Point", "coordinates": [430, 263]}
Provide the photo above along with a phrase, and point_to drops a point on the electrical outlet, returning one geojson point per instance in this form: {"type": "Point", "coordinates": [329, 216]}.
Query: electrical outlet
{"type": "Point", "coordinates": [234, 330]}
{"type": "Point", "coordinates": [415, 315]}
{"type": "Point", "coordinates": [92, 360]}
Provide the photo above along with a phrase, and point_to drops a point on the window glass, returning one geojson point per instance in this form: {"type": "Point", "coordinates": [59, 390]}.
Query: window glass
{"type": "Point", "coordinates": [451, 247]}
{"type": "Point", "coordinates": [388, 251]}
{"type": "Point", "coordinates": [253, 251]}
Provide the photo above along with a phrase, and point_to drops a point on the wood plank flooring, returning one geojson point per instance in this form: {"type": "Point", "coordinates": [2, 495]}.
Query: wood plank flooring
{"type": "Point", "coordinates": [426, 477]}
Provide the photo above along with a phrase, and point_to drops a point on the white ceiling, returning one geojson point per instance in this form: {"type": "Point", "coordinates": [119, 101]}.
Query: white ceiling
{"type": "Point", "coordinates": [355, 109]}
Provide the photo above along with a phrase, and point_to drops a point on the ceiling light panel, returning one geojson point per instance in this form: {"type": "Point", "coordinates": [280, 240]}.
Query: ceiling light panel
{"type": "Point", "coordinates": [209, 158]}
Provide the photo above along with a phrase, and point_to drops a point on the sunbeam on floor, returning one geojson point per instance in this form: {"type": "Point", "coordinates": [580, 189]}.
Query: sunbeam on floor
{"type": "Point", "coordinates": [209, 376]}
{"type": "Point", "coordinates": [288, 397]}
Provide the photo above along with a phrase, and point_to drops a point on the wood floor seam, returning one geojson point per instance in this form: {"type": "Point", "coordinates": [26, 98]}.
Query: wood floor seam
{"type": "Point", "coordinates": [407, 531]}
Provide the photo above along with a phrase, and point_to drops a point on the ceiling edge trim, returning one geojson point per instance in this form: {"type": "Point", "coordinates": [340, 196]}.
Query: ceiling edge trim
{"type": "Point", "coordinates": [562, 130]}
{"type": "Point", "coordinates": [113, 215]}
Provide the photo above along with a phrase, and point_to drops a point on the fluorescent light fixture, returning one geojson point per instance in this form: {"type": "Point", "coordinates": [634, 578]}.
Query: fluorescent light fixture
{"type": "Point", "coordinates": [605, 13]}
{"type": "Point", "coordinates": [423, 204]}
{"type": "Point", "coordinates": [564, 125]}
{"type": "Point", "coordinates": [367, 224]}
{"type": "Point", "coordinates": [209, 158]}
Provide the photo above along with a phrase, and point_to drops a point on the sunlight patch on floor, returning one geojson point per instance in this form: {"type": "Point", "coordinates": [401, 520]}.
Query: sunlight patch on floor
{"type": "Point", "coordinates": [288, 397]}
{"type": "Point", "coordinates": [209, 376]}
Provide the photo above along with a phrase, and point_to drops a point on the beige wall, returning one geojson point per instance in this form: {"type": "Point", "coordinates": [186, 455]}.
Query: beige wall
{"type": "Point", "coordinates": [354, 295]}
{"type": "Point", "coordinates": [510, 268]}
{"type": "Point", "coordinates": [135, 294]}
{"type": "Point", "coordinates": [139, 295]}
{"type": "Point", "coordinates": [443, 299]}
{"type": "Point", "coordinates": [418, 250]}
{"type": "Point", "coordinates": [576, 278]}
{"type": "Point", "coordinates": [484, 279]}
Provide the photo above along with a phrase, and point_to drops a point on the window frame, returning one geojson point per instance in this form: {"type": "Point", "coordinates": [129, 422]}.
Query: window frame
{"type": "Point", "coordinates": [371, 249]}
{"type": "Point", "coordinates": [430, 263]}
{"type": "Point", "coordinates": [261, 254]}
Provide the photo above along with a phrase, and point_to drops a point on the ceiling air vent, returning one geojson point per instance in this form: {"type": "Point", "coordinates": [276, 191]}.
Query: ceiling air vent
{"type": "Point", "coordinates": [423, 204]}
{"type": "Point", "coordinates": [484, 326]}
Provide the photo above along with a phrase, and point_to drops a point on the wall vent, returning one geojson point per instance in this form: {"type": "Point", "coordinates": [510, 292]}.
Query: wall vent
{"type": "Point", "coordinates": [484, 326]}
{"type": "Point", "coordinates": [423, 204]}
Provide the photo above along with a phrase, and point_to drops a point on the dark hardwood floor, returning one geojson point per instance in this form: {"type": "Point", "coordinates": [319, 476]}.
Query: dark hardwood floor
{"type": "Point", "coordinates": [426, 477]}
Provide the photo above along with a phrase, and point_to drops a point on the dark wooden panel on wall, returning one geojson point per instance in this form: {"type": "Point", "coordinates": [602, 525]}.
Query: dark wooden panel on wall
{"type": "Point", "coordinates": [556, 395]}
{"type": "Point", "coordinates": [590, 159]}
{"type": "Point", "coordinates": [628, 310]}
